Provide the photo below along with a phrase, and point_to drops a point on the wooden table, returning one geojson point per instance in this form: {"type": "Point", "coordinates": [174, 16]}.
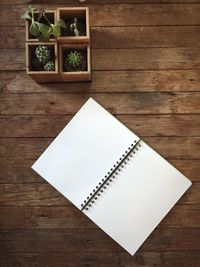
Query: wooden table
{"type": "Point", "coordinates": [146, 71]}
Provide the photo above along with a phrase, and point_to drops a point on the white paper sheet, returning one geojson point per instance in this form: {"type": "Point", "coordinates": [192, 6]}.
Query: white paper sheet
{"type": "Point", "coordinates": [136, 201]}
{"type": "Point", "coordinates": [84, 152]}
{"type": "Point", "coordinates": [133, 204]}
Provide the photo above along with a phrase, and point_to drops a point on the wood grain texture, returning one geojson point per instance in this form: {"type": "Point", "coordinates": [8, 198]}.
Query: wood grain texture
{"type": "Point", "coordinates": [51, 125]}
{"type": "Point", "coordinates": [121, 37]}
{"type": "Point", "coordinates": [117, 103]}
{"type": "Point", "coordinates": [120, 15]}
{"type": "Point", "coordinates": [69, 217]}
{"type": "Point", "coordinates": [75, 240]}
{"type": "Point", "coordinates": [42, 194]}
{"type": "Point", "coordinates": [125, 59]}
{"type": "Point", "coordinates": [16, 170]}
{"type": "Point", "coordinates": [107, 81]}
{"type": "Point", "coordinates": [176, 148]}
{"type": "Point", "coordinates": [146, 71]}
{"type": "Point", "coordinates": [88, 2]}
{"type": "Point", "coordinates": [101, 259]}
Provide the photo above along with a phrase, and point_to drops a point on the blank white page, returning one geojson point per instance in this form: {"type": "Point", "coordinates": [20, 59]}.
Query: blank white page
{"type": "Point", "coordinates": [84, 152]}
{"type": "Point", "coordinates": [138, 199]}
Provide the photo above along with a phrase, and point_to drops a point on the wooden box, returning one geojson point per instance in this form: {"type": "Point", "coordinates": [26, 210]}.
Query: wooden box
{"type": "Point", "coordinates": [82, 14]}
{"type": "Point", "coordinates": [42, 76]}
{"type": "Point", "coordinates": [76, 75]}
{"type": "Point", "coordinates": [51, 15]}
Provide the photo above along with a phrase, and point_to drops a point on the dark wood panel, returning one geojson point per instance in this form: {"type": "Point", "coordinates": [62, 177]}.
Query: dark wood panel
{"type": "Point", "coordinates": [16, 170]}
{"type": "Point", "coordinates": [125, 59]}
{"type": "Point", "coordinates": [142, 125]}
{"type": "Point", "coordinates": [5, 78]}
{"type": "Point", "coordinates": [51, 3]}
{"type": "Point", "coordinates": [120, 15]}
{"type": "Point", "coordinates": [69, 217]}
{"type": "Point", "coordinates": [146, 58]}
{"type": "Point", "coordinates": [42, 194]}
{"type": "Point", "coordinates": [109, 81]}
{"type": "Point", "coordinates": [12, 59]}
{"type": "Point", "coordinates": [132, 103]}
{"type": "Point", "coordinates": [162, 239]}
{"type": "Point", "coordinates": [169, 147]}
{"type": "Point", "coordinates": [101, 259]}
{"type": "Point", "coordinates": [152, 82]}
{"type": "Point", "coordinates": [129, 37]}
{"type": "Point", "coordinates": [120, 37]}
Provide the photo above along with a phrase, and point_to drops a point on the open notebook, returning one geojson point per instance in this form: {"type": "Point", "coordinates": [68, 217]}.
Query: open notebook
{"type": "Point", "coordinates": [110, 174]}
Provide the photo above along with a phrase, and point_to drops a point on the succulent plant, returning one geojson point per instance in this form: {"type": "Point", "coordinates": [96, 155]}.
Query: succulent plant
{"type": "Point", "coordinates": [74, 27]}
{"type": "Point", "coordinates": [49, 66]}
{"type": "Point", "coordinates": [40, 30]}
{"type": "Point", "coordinates": [74, 60]}
{"type": "Point", "coordinates": [42, 53]}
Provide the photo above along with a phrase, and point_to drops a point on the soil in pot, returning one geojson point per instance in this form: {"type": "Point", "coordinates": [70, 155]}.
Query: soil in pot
{"type": "Point", "coordinates": [39, 61]}
{"type": "Point", "coordinates": [75, 60]}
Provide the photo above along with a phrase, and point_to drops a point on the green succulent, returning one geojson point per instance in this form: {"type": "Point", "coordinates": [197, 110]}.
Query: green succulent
{"type": "Point", "coordinates": [74, 60]}
{"type": "Point", "coordinates": [42, 53]}
{"type": "Point", "coordinates": [49, 66]}
{"type": "Point", "coordinates": [43, 31]}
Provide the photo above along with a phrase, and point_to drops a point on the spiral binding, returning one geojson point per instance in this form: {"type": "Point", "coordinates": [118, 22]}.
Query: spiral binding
{"type": "Point", "coordinates": [111, 175]}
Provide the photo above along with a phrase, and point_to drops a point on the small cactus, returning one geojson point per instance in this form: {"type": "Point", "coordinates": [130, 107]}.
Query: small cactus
{"type": "Point", "coordinates": [74, 60]}
{"type": "Point", "coordinates": [42, 53]}
{"type": "Point", "coordinates": [49, 66]}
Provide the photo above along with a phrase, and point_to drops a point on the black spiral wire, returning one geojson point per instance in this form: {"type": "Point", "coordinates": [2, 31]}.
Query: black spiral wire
{"type": "Point", "coordinates": [111, 175]}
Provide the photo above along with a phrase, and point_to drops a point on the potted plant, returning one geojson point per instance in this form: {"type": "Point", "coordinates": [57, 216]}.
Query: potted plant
{"type": "Point", "coordinates": [42, 61]}
{"type": "Point", "coordinates": [66, 30]}
{"type": "Point", "coordinates": [75, 62]}
{"type": "Point", "coordinates": [42, 25]}
{"type": "Point", "coordinates": [76, 20]}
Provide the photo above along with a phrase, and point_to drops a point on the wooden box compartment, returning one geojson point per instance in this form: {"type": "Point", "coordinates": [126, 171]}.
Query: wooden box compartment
{"type": "Point", "coordinates": [51, 15]}
{"type": "Point", "coordinates": [68, 14]}
{"type": "Point", "coordinates": [42, 75]}
{"type": "Point", "coordinates": [71, 76]}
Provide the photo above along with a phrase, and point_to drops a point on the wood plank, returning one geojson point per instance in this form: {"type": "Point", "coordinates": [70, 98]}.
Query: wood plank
{"type": "Point", "coordinates": [101, 259]}
{"type": "Point", "coordinates": [129, 103]}
{"type": "Point", "coordinates": [120, 37]}
{"type": "Point", "coordinates": [110, 81]}
{"type": "Point", "coordinates": [146, 58]}
{"type": "Point", "coordinates": [2, 86]}
{"type": "Point", "coordinates": [12, 59]}
{"type": "Point", "coordinates": [125, 59]}
{"type": "Point", "coordinates": [120, 14]}
{"type": "Point", "coordinates": [159, 36]}
{"type": "Point", "coordinates": [167, 239]}
{"type": "Point", "coordinates": [52, 232]}
{"type": "Point", "coordinates": [7, 76]}
{"type": "Point", "coordinates": [16, 170]}
{"type": "Point", "coordinates": [142, 125]}
{"type": "Point", "coordinates": [169, 147]}
{"type": "Point", "coordinates": [69, 217]}
{"type": "Point", "coordinates": [42, 194]}
{"type": "Point", "coordinates": [90, 2]}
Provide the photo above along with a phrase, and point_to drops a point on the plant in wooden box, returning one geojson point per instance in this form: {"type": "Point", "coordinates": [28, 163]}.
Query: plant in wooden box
{"type": "Point", "coordinates": [42, 61]}
{"type": "Point", "coordinates": [75, 62]}
{"type": "Point", "coordinates": [42, 25]}
{"type": "Point", "coordinates": [77, 22]}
